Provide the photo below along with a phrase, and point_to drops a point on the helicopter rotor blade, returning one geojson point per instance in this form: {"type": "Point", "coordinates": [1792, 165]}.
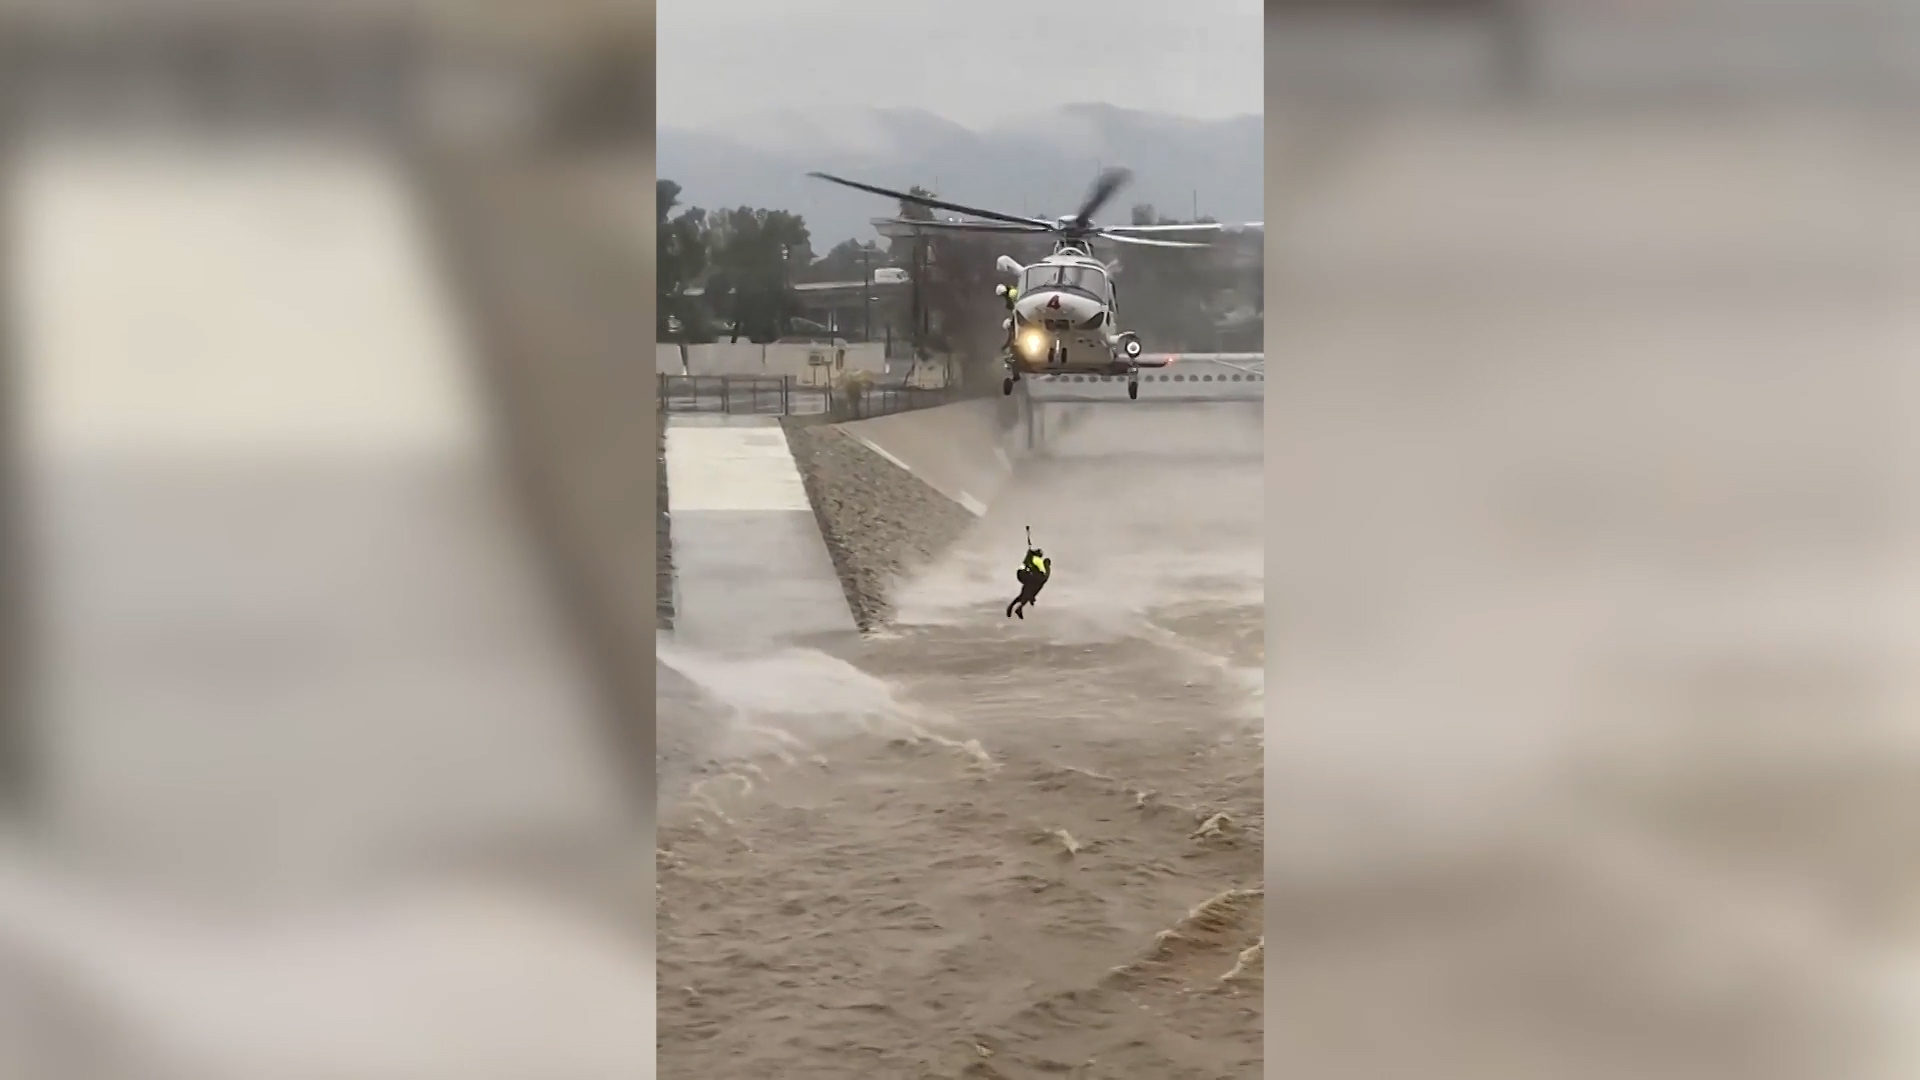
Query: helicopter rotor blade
{"type": "Point", "coordinates": [1105, 187]}
{"type": "Point", "coordinates": [934, 204]}
{"type": "Point", "coordinates": [1121, 238]}
{"type": "Point", "coordinates": [1136, 230]}
{"type": "Point", "coordinates": [968, 226]}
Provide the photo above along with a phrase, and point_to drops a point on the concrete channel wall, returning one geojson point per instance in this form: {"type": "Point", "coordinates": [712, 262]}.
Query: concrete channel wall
{"type": "Point", "coordinates": [965, 451]}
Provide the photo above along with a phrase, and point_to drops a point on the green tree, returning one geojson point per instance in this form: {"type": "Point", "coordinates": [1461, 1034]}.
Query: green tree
{"type": "Point", "coordinates": [849, 260]}
{"type": "Point", "coordinates": [963, 311]}
{"type": "Point", "coordinates": [756, 256]}
{"type": "Point", "coordinates": [914, 253]}
{"type": "Point", "coordinates": [913, 211]}
{"type": "Point", "coordinates": [952, 308]}
{"type": "Point", "coordinates": [680, 262]}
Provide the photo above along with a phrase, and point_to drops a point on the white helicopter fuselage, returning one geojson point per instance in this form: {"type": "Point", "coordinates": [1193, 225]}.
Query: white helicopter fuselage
{"type": "Point", "coordinates": [1063, 320]}
{"type": "Point", "coordinates": [1052, 305]}
{"type": "Point", "coordinates": [1061, 313]}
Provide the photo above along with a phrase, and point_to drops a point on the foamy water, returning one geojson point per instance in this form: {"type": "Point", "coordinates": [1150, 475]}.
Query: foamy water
{"type": "Point", "coordinates": [786, 708]}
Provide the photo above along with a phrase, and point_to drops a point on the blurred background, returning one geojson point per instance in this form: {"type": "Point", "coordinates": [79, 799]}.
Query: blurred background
{"type": "Point", "coordinates": [325, 725]}
{"type": "Point", "coordinates": [1591, 740]}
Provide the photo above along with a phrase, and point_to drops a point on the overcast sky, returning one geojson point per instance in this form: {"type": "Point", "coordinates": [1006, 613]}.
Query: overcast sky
{"type": "Point", "coordinates": [977, 63]}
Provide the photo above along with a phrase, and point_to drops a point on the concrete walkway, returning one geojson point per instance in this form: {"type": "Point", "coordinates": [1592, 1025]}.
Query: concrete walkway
{"type": "Point", "coordinates": [750, 566]}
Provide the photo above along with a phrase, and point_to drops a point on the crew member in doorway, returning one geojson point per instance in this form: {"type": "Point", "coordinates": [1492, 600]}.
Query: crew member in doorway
{"type": "Point", "coordinates": [1035, 569]}
{"type": "Point", "coordinates": [1010, 293]}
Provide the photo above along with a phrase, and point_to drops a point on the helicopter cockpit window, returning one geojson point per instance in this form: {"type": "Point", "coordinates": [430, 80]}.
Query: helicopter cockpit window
{"type": "Point", "coordinates": [1036, 277]}
{"type": "Point", "coordinates": [1089, 278]}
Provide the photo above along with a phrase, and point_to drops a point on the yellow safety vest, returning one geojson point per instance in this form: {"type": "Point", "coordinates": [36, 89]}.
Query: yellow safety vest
{"type": "Point", "coordinates": [1041, 563]}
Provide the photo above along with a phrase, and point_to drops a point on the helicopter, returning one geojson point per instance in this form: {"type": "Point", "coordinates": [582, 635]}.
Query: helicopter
{"type": "Point", "coordinates": [1063, 310]}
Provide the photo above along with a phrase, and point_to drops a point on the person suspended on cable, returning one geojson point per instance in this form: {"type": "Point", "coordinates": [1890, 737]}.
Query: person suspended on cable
{"type": "Point", "coordinates": [1009, 293]}
{"type": "Point", "coordinates": [1035, 570]}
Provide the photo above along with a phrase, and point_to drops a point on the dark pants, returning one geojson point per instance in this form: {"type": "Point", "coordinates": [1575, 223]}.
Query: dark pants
{"type": "Point", "coordinates": [1030, 585]}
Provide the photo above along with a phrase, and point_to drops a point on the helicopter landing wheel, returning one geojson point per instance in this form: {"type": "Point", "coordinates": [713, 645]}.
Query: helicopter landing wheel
{"type": "Point", "coordinates": [1133, 391]}
{"type": "Point", "coordinates": [1006, 386]}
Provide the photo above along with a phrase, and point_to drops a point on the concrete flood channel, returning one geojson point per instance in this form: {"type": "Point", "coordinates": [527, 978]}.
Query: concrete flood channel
{"type": "Point", "coordinates": [961, 845]}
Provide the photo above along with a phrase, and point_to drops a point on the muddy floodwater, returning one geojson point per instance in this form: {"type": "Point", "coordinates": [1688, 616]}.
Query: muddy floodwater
{"type": "Point", "coordinates": [981, 847]}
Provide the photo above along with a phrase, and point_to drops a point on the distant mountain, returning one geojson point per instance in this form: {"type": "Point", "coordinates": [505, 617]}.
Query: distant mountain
{"type": "Point", "coordinates": [1041, 166]}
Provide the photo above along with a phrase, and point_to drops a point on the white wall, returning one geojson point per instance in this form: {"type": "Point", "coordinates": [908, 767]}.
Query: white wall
{"type": "Point", "coordinates": [744, 358]}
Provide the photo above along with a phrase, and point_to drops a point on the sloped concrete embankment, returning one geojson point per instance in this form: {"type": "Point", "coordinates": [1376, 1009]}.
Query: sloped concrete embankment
{"type": "Point", "coordinates": [893, 493]}
{"type": "Point", "coordinates": [877, 519]}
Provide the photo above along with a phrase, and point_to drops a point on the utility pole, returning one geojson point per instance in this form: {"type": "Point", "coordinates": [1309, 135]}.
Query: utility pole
{"type": "Point", "coordinates": [915, 259]}
{"type": "Point", "coordinates": [924, 319]}
{"type": "Point", "coordinates": [866, 292]}
{"type": "Point", "coordinates": [781, 322]}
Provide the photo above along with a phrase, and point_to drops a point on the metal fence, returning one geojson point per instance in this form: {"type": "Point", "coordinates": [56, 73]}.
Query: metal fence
{"type": "Point", "coordinates": [769, 395]}
{"type": "Point", "coordinates": [775, 395]}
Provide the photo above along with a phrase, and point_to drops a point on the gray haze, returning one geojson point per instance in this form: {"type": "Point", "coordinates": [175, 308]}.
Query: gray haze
{"type": "Point", "coordinates": [977, 64]}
